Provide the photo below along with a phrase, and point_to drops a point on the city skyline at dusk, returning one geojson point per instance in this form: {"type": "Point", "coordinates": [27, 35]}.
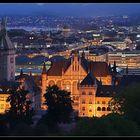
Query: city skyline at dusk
{"type": "Point", "coordinates": [69, 69]}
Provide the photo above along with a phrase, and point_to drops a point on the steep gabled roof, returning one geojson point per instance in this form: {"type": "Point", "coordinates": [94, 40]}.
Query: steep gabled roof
{"type": "Point", "coordinates": [57, 67]}
{"type": "Point", "coordinates": [89, 80]}
{"type": "Point", "coordinates": [99, 68]}
{"type": "Point", "coordinates": [106, 90]}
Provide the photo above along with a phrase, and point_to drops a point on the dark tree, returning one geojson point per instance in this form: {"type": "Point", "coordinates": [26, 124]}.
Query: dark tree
{"type": "Point", "coordinates": [59, 105]}
{"type": "Point", "coordinates": [126, 102]}
{"type": "Point", "coordinates": [20, 110]}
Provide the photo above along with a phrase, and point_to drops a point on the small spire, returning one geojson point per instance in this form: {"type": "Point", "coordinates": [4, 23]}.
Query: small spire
{"type": "Point", "coordinates": [114, 67]}
{"type": "Point", "coordinates": [83, 54]}
{"type": "Point", "coordinates": [100, 80]}
{"type": "Point", "coordinates": [44, 68]}
{"type": "Point", "coordinates": [21, 72]}
{"type": "Point", "coordinates": [109, 67]}
{"type": "Point", "coordinates": [127, 70]}
{"type": "Point", "coordinates": [30, 73]}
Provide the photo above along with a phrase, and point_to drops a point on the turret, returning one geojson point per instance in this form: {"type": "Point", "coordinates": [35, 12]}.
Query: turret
{"type": "Point", "coordinates": [114, 67]}
{"type": "Point", "coordinates": [44, 69]}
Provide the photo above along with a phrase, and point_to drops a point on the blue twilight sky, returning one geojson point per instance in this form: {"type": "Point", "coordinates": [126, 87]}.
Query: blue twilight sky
{"type": "Point", "coordinates": [69, 9]}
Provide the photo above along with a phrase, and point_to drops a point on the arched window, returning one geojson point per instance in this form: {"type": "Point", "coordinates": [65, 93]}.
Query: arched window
{"type": "Point", "coordinates": [98, 109]}
{"type": "Point", "coordinates": [83, 108]}
{"type": "Point", "coordinates": [103, 109]}
{"type": "Point", "coordinates": [83, 93]}
{"type": "Point", "coordinates": [90, 110]}
{"type": "Point", "coordinates": [83, 101]}
{"type": "Point", "coordinates": [108, 109]}
{"type": "Point", "coordinates": [73, 97]}
{"type": "Point", "coordinates": [83, 114]}
{"type": "Point", "coordinates": [98, 102]}
{"type": "Point", "coordinates": [90, 93]}
{"type": "Point", "coordinates": [77, 98]}
{"type": "Point", "coordinates": [103, 102]}
{"type": "Point", "coordinates": [90, 101]}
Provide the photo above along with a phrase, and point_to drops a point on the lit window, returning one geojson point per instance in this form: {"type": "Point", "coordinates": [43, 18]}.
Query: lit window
{"type": "Point", "coordinates": [103, 109]}
{"type": "Point", "coordinates": [90, 93]}
{"type": "Point", "coordinates": [83, 108]}
{"type": "Point", "coordinates": [83, 101]}
{"type": "Point", "coordinates": [108, 109]}
{"type": "Point", "coordinates": [98, 102]}
{"type": "Point", "coordinates": [103, 102]}
{"type": "Point", "coordinates": [77, 98]}
{"type": "Point", "coordinates": [90, 101]}
{"type": "Point", "coordinates": [90, 110]}
{"type": "Point", "coordinates": [98, 109]}
{"type": "Point", "coordinates": [83, 93]}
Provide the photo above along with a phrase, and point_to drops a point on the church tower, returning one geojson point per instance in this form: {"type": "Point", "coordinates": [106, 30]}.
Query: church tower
{"type": "Point", "coordinates": [43, 86]}
{"type": "Point", "coordinates": [7, 54]}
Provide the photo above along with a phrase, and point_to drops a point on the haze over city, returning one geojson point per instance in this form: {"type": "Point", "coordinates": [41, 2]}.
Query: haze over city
{"type": "Point", "coordinates": [69, 9]}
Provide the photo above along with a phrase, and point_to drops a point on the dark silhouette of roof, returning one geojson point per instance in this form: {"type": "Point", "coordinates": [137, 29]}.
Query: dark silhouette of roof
{"type": "Point", "coordinates": [96, 68]}
{"type": "Point", "coordinates": [99, 68]}
{"type": "Point", "coordinates": [129, 79]}
{"type": "Point", "coordinates": [106, 90]}
{"type": "Point", "coordinates": [89, 80]}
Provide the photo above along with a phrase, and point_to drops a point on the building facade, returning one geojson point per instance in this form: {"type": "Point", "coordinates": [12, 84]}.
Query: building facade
{"type": "Point", "coordinates": [125, 58]}
{"type": "Point", "coordinates": [82, 78]}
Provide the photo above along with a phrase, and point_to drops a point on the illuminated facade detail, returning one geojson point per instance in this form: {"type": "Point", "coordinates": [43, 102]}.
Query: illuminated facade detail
{"type": "Point", "coordinates": [82, 78]}
{"type": "Point", "coordinates": [4, 106]}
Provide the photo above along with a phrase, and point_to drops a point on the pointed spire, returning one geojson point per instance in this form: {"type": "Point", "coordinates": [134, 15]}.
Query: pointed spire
{"type": "Point", "coordinates": [100, 80]}
{"type": "Point", "coordinates": [44, 68]}
{"type": "Point", "coordinates": [110, 67]}
{"type": "Point", "coordinates": [21, 73]}
{"type": "Point", "coordinates": [127, 70]}
{"type": "Point", "coordinates": [83, 54]}
{"type": "Point", "coordinates": [30, 73]}
{"type": "Point", "coordinates": [114, 67]}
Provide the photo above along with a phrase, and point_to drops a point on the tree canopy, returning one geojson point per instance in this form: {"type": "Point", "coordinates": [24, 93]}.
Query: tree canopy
{"type": "Point", "coordinates": [59, 105]}
{"type": "Point", "coordinates": [20, 107]}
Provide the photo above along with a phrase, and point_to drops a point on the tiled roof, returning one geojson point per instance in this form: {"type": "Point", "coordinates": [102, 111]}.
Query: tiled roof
{"type": "Point", "coordinates": [89, 80]}
{"type": "Point", "coordinates": [99, 68]}
{"type": "Point", "coordinates": [106, 90]}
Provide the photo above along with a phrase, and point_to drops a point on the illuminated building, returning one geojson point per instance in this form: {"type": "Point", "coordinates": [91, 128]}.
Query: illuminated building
{"type": "Point", "coordinates": [84, 79]}
{"type": "Point", "coordinates": [4, 106]}
{"type": "Point", "coordinates": [125, 58]}
{"type": "Point", "coordinates": [118, 44]}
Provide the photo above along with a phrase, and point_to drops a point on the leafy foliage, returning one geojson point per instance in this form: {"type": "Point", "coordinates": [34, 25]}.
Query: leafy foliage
{"type": "Point", "coordinates": [20, 110]}
{"type": "Point", "coordinates": [59, 105]}
{"type": "Point", "coordinates": [127, 102]}
{"type": "Point", "coordinates": [110, 125]}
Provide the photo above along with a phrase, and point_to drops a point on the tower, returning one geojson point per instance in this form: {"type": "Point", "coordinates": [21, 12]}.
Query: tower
{"type": "Point", "coordinates": [43, 85]}
{"type": "Point", "coordinates": [7, 54]}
